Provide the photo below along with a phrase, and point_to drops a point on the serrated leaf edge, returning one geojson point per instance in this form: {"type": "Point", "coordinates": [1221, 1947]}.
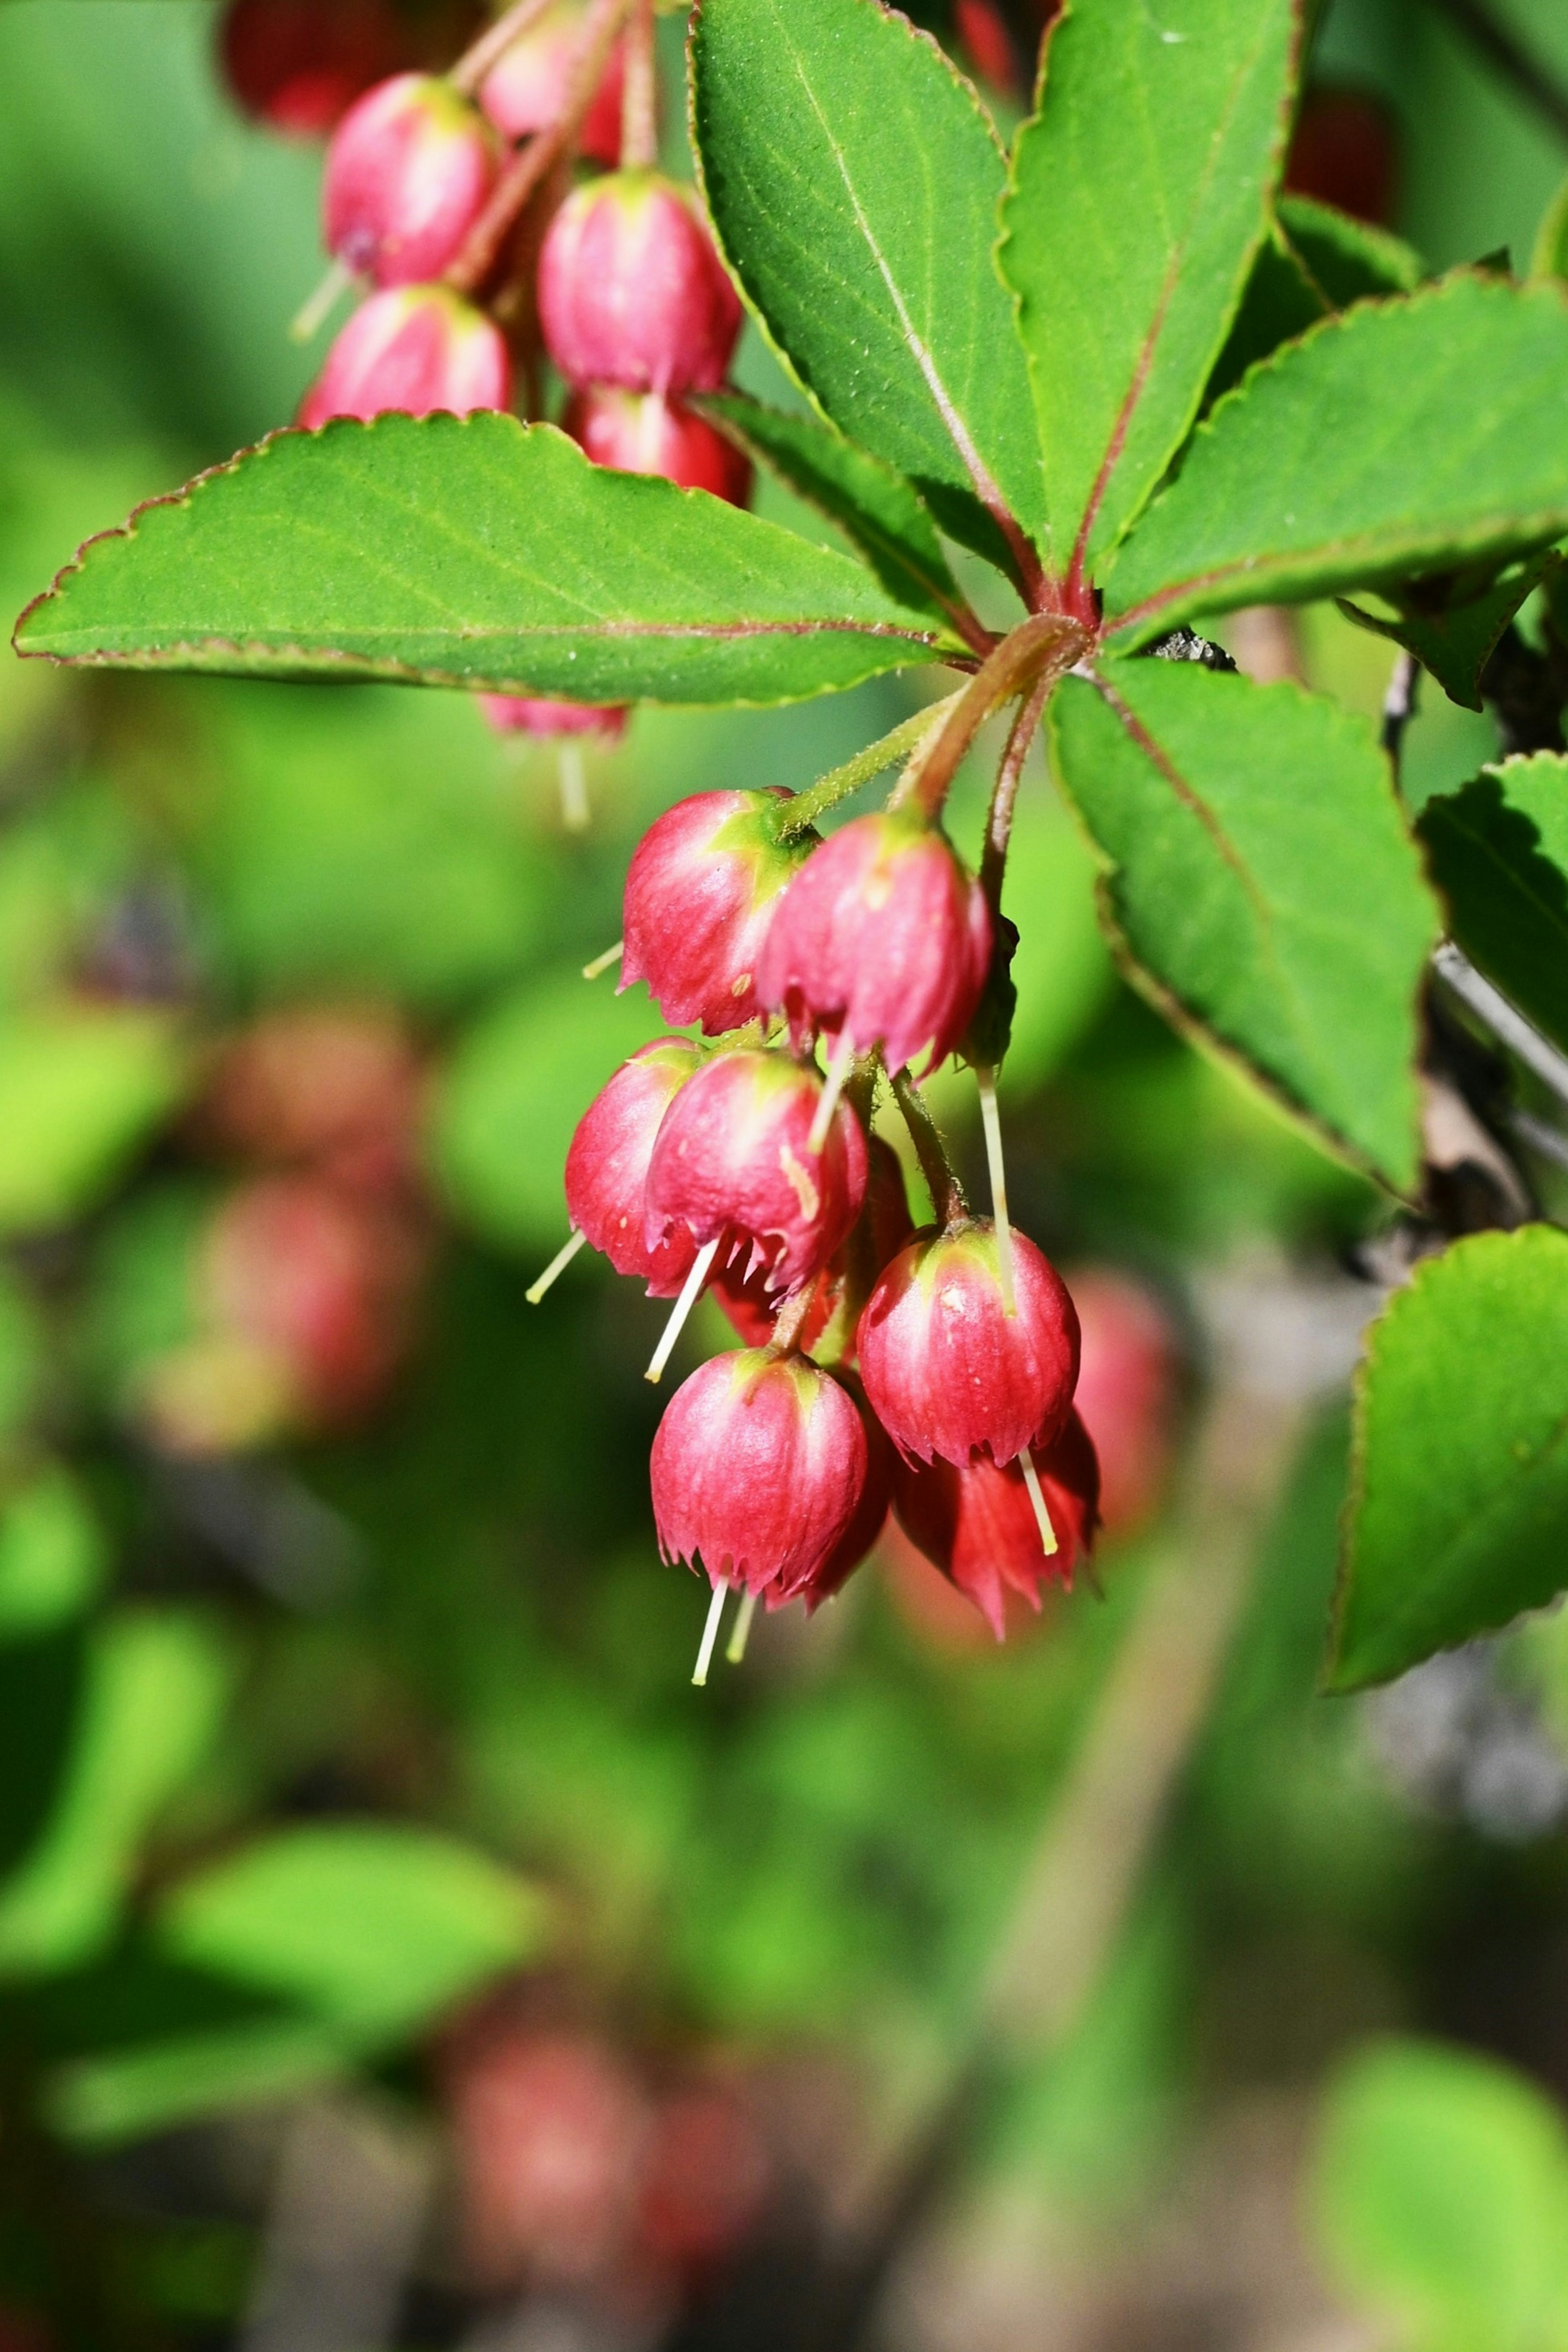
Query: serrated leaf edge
{"type": "Point", "coordinates": [1125, 631]}
{"type": "Point", "coordinates": [1190, 1024]}
{"type": "Point", "coordinates": [1426, 1270]}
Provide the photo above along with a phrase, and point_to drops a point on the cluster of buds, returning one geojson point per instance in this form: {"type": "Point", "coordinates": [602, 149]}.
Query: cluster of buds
{"type": "Point", "coordinates": [447, 200]}
{"type": "Point", "coordinates": [929, 1373]}
{"type": "Point", "coordinates": [305, 1278]}
{"type": "Point", "coordinates": [593, 2171]}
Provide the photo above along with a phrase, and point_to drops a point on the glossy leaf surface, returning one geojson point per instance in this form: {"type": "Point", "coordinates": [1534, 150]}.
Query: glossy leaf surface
{"type": "Point", "coordinates": [1403, 436]}
{"type": "Point", "coordinates": [853, 177]}
{"type": "Point", "coordinates": [1139, 197]}
{"type": "Point", "coordinates": [477, 553]}
{"type": "Point", "coordinates": [1459, 1500]}
{"type": "Point", "coordinates": [1499, 855]}
{"type": "Point", "coordinates": [1263, 884]}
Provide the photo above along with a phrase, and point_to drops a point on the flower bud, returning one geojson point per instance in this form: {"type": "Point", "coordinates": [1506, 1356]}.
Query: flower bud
{"type": "Point", "coordinates": [882, 938]}
{"type": "Point", "coordinates": [408, 173]}
{"type": "Point", "coordinates": [700, 894]}
{"type": "Point", "coordinates": [757, 1468]}
{"type": "Point", "coordinates": [641, 433]}
{"type": "Point", "coordinates": [733, 1156]}
{"type": "Point", "coordinates": [526, 89]}
{"type": "Point", "coordinates": [299, 65]}
{"type": "Point", "coordinates": [977, 1524]}
{"type": "Point", "coordinates": [607, 1167]}
{"type": "Point", "coordinates": [1128, 1391]}
{"type": "Point", "coordinates": [632, 291]}
{"type": "Point", "coordinates": [947, 1371]}
{"type": "Point", "coordinates": [523, 714]}
{"type": "Point", "coordinates": [414, 348]}
{"type": "Point", "coordinates": [860, 1537]}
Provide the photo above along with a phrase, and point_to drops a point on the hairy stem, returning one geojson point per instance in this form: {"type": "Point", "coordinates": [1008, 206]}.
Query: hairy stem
{"type": "Point", "coordinates": [533, 164]}
{"type": "Point", "coordinates": [493, 44]}
{"type": "Point", "coordinates": [941, 1178]}
{"type": "Point", "coordinates": [1036, 654]}
{"type": "Point", "coordinates": [639, 100]}
{"type": "Point", "coordinates": [1004, 798]}
{"type": "Point", "coordinates": [840, 783]}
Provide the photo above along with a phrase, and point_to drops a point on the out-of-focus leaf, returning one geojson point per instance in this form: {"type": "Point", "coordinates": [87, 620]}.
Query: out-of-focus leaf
{"type": "Point", "coordinates": [1139, 197]}
{"type": "Point", "coordinates": [102, 2102]}
{"type": "Point", "coordinates": [471, 552]}
{"type": "Point", "coordinates": [374, 1927]}
{"type": "Point", "coordinates": [155, 1688]}
{"type": "Point", "coordinates": [853, 176]}
{"type": "Point", "coordinates": [1440, 2194]}
{"type": "Point", "coordinates": [136, 2042]}
{"type": "Point", "coordinates": [1499, 853]}
{"type": "Point", "coordinates": [1455, 639]}
{"type": "Point", "coordinates": [1549, 259]}
{"type": "Point", "coordinates": [368, 843]}
{"type": "Point", "coordinates": [1263, 885]}
{"type": "Point", "coordinates": [79, 1092]}
{"type": "Point", "coordinates": [873, 506]}
{"type": "Point", "coordinates": [514, 1092]}
{"type": "Point", "coordinates": [21, 1355]}
{"type": "Point", "coordinates": [1348, 259]}
{"type": "Point", "coordinates": [1459, 1511]}
{"type": "Point", "coordinates": [52, 1557]}
{"type": "Point", "coordinates": [1403, 436]}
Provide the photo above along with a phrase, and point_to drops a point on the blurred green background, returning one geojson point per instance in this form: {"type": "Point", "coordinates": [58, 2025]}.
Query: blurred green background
{"type": "Point", "coordinates": [368, 1868]}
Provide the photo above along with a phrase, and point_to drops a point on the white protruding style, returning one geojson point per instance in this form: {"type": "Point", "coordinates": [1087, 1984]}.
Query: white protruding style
{"type": "Point", "coordinates": [710, 1633]}
{"type": "Point", "coordinates": [555, 1269]}
{"type": "Point", "coordinates": [702, 1268]}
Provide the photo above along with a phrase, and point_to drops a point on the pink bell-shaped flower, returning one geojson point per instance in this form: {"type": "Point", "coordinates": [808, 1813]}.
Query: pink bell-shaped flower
{"type": "Point", "coordinates": [882, 939]}
{"type": "Point", "coordinates": [947, 1370]}
{"type": "Point", "coordinates": [408, 171]}
{"type": "Point", "coordinates": [632, 291]}
{"type": "Point", "coordinates": [607, 1167]}
{"type": "Point", "coordinates": [643, 433]}
{"type": "Point", "coordinates": [758, 1467]}
{"type": "Point", "coordinates": [700, 894]}
{"type": "Point", "coordinates": [860, 1537]}
{"type": "Point", "coordinates": [525, 91]}
{"type": "Point", "coordinates": [414, 348]}
{"type": "Point", "coordinates": [733, 1158]}
{"type": "Point", "coordinates": [978, 1525]}
{"type": "Point", "coordinates": [525, 714]}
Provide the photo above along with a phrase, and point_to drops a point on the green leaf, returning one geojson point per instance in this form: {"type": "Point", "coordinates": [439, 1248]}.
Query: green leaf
{"type": "Point", "coordinates": [1409, 436]}
{"type": "Point", "coordinates": [1459, 1512]}
{"type": "Point", "coordinates": [1139, 196]}
{"type": "Point", "coordinates": [471, 552]}
{"type": "Point", "coordinates": [512, 1096]}
{"type": "Point", "coordinates": [1453, 633]}
{"type": "Point", "coordinates": [53, 1559]}
{"type": "Point", "coordinates": [1348, 258]}
{"type": "Point", "coordinates": [1262, 885]}
{"type": "Point", "coordinates": [1499, 853]}
{"type": "Point", "coordinates": [125, 2094]}
{"type": "Point", "coordinates": [852, 177]}
{"type": "Point", "coordinates": [155, 1688]}
{"type": "Point", "coordinates": [1281, 301]}
{"type": "Point", "coordinates": [375, 1927]}
{"type": "Point", "coordinates": [1440, 2196]}
{"type": "Point", "coordinates": [873, 506]}
{"type": "Point", "coordinates": [79, 1092]}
